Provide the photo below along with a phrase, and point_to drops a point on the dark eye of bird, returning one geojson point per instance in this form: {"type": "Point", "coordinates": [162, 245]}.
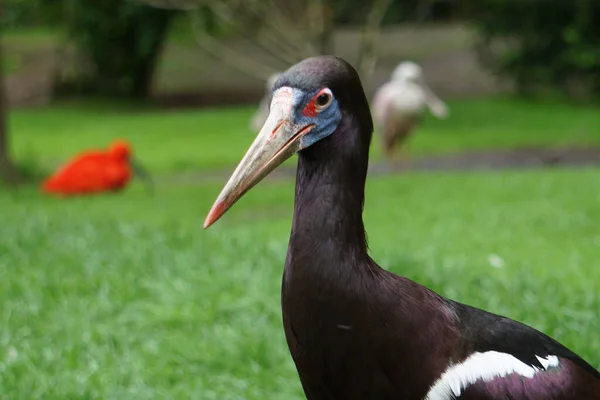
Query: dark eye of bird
{"type": "Point", "coordinates": [323, 100]}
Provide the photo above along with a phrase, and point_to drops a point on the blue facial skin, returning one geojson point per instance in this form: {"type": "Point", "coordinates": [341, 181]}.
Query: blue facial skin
{"type": "Point", "coordinates": [325, 122]}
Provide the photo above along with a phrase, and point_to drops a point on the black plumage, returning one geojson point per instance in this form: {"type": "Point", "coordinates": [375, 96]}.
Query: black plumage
{"type": "Point", "coordinates": [357, 331]}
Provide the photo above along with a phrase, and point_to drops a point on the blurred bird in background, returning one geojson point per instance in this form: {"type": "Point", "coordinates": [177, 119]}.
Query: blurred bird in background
{"type": "Point", "coordinates": [399, 104]}
{"type": "Point", "coordinates": [97, 171]}
{"type": "Point", "coordinates": [260, 116]}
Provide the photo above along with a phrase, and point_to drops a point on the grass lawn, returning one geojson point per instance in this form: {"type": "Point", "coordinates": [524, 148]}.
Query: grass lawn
{"type": "Point", "coordinates": [179, 141]}
{"type": "Point", "coordinates": [126, 296]}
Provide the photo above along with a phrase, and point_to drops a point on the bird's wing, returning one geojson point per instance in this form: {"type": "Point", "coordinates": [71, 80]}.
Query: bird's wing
{"type": "Point", "coordinates": [496, 356]}
{"type": "Point", "coordinates": [434, 103]}
{"type": "Point", "coordinates": [491, 332]}
{"type": "Point", "coordinates": [382, 102]}
{"type": "Point", "coordinates": [82, 173]}
{"type": "Point", "coordinates": [67, 169]}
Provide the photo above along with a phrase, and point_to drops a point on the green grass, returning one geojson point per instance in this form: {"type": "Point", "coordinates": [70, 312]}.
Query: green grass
{"type": "Point", "coordinates": [214, 139]}
{"type": "Point", "coordinates": [165, 141]}
{"type": "Point", "coordinates": [125, 296]}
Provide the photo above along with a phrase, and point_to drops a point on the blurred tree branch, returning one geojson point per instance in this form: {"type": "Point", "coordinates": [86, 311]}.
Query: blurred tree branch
{"type": "Point", "coordinates": [367, 58]}
{"type": "Point", "coordinates": [285, 31]}
{"type": "Point", "coordinates": [231, 57]}
{"type": "Point", "coordinates": [322, 25]}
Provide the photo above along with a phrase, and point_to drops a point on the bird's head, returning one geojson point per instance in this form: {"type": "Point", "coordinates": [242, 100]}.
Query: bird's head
{"type": "Point", "coordinates": [307, 105]}
{"type": "Point", "coordinates": [407, 71]}
{"type": "Point", "coordinates": [121, 151]}
{"type": "Point", "coordinates": [410, 72]}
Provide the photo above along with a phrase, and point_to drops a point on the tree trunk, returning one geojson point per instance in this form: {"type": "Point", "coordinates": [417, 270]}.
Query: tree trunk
{"type": "Point", "coordinates": [9, 174]}
{"type": "Point", "coordinates": [122, 43]}
{"type": "Point", "coordinates": [145, 66]}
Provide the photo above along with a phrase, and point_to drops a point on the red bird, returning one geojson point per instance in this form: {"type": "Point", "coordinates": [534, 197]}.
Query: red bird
{"type": "Point", "coordinates": [96, 171]}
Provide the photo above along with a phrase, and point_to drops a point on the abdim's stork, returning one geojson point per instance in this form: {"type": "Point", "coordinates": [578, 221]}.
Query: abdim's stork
{"type": "Point", "coordinates": [355, 330]}
{"type": "Point", "coordinates": [399, 104]}
{"type": "Point", "coordinates": [260, 116]}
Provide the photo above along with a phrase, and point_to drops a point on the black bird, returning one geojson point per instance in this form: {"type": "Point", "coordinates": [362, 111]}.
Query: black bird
{"type": "Point", "coordinates": [355, 330]}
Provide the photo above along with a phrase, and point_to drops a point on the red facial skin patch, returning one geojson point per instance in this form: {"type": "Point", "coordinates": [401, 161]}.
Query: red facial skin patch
{"type": "Point", "coordinates": [311, 108]}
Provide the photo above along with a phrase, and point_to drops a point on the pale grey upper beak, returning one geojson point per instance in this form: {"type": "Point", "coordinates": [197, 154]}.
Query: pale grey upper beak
{"type": "Point", "coordinates": [278, 139]}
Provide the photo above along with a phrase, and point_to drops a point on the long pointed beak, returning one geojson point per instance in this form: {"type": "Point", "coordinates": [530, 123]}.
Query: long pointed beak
{"type": "Point", "coordinates": [435, 104]}
{"type": "Point", "coordinates": [278, 139]}
{"type": "Point", "coordinates": [139, 170]}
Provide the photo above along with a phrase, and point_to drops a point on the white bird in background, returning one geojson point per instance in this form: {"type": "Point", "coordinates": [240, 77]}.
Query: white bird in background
{"type": "Point", "coordinates": [260, 116]}
{"type": "Point", "coordinates": [399, 104]}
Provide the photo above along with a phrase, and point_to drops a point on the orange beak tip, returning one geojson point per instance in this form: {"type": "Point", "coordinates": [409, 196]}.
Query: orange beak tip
{"type": "Point", "coordinates": [207, 223]}
{"type": "Point", "coordinates": [214, 214]}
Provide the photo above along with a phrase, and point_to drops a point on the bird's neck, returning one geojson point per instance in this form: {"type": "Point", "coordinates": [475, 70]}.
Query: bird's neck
{"type": "Point", "coordinates": [328, 235]}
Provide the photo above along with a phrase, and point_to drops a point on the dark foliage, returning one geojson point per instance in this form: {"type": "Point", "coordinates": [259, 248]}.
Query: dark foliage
{"type": "Point", "coordinates": [544, 46]}
{"type": "Point", "coordinates": [120, 43]}
{"type": "Point", "coordinates": [29, 13]}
